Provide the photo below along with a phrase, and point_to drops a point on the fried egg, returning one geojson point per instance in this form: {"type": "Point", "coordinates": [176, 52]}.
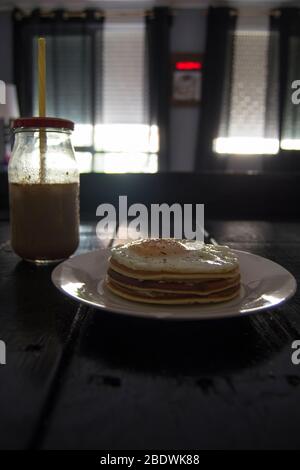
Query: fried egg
{"type": "Point", "coordinates": [175, 256]}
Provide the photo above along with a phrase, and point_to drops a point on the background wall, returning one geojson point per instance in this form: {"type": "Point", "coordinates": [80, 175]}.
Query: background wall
{"type": "Point", "coordinates": [188, 35]}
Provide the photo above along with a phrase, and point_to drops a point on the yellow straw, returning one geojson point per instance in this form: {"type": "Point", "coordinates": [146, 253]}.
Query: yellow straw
{"type": "Point", "coordinates": [42, 77]}
{"type": "Point", "coordinates": [42, 101]}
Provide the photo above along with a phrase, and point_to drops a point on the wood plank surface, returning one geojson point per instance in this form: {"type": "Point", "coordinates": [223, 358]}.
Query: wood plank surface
{"type": "Point", "coordinates": [144, 384]}
{"type": "Point", "coordinates": [39, 326]}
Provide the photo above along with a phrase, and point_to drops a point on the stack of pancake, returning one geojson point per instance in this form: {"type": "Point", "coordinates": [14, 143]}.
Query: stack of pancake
{"type": "Point", "coordinates": [170, 271]}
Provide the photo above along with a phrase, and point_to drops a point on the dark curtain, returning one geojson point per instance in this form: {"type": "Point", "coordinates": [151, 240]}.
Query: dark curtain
{"type": "Point", "coordinates": [273, 120]}
{"type": "Point", "coordinates": [158, 24]}
{"type": "Point", "coordinates": [214, 106]}
{"type": "Point", "coordinates": [272, 91]}
{"type": "Point", "coordinates": [73, 67]}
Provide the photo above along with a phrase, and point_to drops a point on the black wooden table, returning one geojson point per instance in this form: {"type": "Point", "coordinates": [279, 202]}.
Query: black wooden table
{"type": "Point", "coordinates": [77, 378]}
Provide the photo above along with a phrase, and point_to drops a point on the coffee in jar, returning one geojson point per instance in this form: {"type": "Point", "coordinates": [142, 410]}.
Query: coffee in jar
{"type": "Point", "coordinates": [44, 191]}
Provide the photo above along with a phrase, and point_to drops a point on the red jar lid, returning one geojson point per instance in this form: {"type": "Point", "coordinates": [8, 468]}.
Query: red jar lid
{"type": "Point", "coordinates": [42, 122]}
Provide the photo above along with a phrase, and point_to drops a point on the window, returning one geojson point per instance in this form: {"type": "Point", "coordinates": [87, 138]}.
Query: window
{"type": "Point", "coordinates": [112, 132]}
{"type": "Point", "coordinates": [252, 128]}
{"type": "Point", "coordinates": [124, 141]}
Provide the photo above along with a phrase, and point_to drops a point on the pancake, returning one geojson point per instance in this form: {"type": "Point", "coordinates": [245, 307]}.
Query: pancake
{"type": "Point", "coordinates": [169, 271]}
{"type": "Point", "coordinates": [201, 287]}
{"type": "Point", "coordinates": [173, 299]}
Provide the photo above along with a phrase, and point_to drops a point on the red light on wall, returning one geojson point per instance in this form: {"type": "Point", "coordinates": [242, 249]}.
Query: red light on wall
{"type": "Point", "coordinates": [188, 65]}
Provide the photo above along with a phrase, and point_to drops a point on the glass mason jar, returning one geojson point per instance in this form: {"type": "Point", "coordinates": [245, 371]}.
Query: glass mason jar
{"type": "Point", "coordinates": [44, 190]}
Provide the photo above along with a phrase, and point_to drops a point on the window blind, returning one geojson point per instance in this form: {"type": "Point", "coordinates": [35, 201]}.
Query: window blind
{"type": "Point", "coordinates": [124, 137]}
{"type": "Point", "coordinates": [124, 84]}
{"type": "Point", "coordinates": [69, 77]}
{"type": "Point", "coordinates": [253, 124]}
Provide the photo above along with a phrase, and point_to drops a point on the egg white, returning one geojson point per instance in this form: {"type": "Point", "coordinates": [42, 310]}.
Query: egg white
{"type": "Point", "coordinates": [175, 256]}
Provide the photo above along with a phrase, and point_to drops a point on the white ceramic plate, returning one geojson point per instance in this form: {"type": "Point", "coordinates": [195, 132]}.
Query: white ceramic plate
{"type": "Point", "coordinates": [265, 284]}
